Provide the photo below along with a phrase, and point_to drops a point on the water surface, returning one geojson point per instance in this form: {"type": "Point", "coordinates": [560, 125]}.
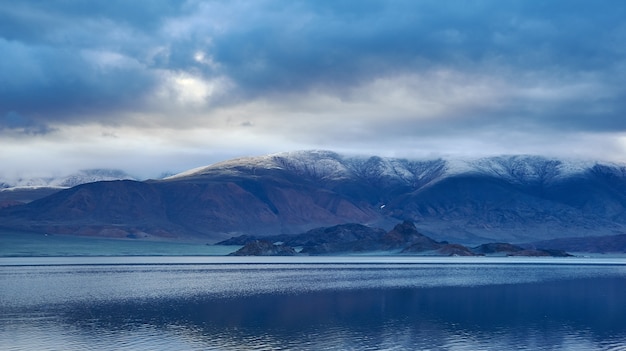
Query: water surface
{"type": "Point", "coordinates": [25, 244]}
{"type": "Point", "coordinates": [348, 303]}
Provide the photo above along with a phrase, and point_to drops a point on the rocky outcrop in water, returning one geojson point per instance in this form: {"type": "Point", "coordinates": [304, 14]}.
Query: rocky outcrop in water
{"type": "Point", "coordinates": [454, 250]}
{"type": "Point", "coordinates": [404, 238]}
{"type": "Point", "coordinates": [497, 249]}
{"type": "Point", "coordinates": [506, 249]}
{"type": "Point", "coordinates": [541, 253]}
{"type": "Point", "coordinates": [264, 248]}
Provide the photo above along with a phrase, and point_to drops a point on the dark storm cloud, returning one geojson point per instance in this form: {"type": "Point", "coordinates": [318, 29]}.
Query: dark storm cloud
{"type": "Point", "coordinates": [552, 46]}
{"type": "Point", "coordinates": [36, 22]}
{"type": "Point", "coordinates": [23, 125]}
{"type": "Point", "coordinates": [73, 61]}
{"type": "Point", "coordinates": [304, 44]}
{"type": "Point", "coordinates": [59, 57]}
{"type": "Point", "coordinates": [64, 83]}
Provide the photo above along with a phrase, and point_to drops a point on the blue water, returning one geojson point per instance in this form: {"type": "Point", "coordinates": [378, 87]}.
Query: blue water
{"type": "Point", "coordinates": [24, 244]}
{"type": "Point", "coordinates": [345, 303]}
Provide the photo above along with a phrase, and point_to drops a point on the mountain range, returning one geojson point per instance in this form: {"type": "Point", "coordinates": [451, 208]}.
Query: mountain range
{"type": "Point", "coordinates": [512, 199]}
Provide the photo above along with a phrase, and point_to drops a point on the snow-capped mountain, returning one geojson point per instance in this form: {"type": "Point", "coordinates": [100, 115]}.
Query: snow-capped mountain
{"type": "Point", "coordinates": [330, 166]}
{"type": "Point", "coordinates": [92, 175]}
{"type": "Point", "coordinates": [506, 198]}
{"type": "Point", "coordinates": [14, 191]}
{"type": "Point", "coordinates": [66, 181]}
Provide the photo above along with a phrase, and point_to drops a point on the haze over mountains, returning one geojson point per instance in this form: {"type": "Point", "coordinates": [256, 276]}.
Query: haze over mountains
{"type": "Point", "coordinates": [507, 198]}
{"type": "Point", "coordinates": [17, 190]}
{"type": "Point", "coordinates": [65, 181]}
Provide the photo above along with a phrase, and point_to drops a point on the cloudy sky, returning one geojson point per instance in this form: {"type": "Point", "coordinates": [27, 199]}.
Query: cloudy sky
{"type": "Point", "coordinates": [155, 86]}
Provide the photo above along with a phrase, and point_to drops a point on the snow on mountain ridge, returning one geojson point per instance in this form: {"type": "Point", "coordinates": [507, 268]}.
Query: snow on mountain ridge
{"type": "Point", "coordinates": [229, 166]}
{"type": "Point", "coordinates": [518, 168]}
{"type": "Point", "coordinates": [525, 168]}
{"type": "Point", "coordinates": [80, 177]}
{"type": "Point", "coordinates": [92, 175]}
{"type": "Point", "coordinates": [300, 162]}
{"type": "Point", "coordinates": [316, 164]}
{"type": "Point", "coordinates": [328, 165]}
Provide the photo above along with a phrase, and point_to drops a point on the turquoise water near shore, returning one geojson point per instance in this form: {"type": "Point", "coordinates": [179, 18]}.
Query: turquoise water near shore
{"type": "Point", "coordinates": [24, 244]}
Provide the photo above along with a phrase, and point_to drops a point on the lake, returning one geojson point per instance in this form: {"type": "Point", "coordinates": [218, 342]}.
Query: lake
{"type": "Point", "coordinates": [312, 303]}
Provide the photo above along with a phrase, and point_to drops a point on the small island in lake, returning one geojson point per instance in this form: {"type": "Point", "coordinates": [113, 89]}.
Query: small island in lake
{"type": "Point", "coordinates": [403, 239]}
